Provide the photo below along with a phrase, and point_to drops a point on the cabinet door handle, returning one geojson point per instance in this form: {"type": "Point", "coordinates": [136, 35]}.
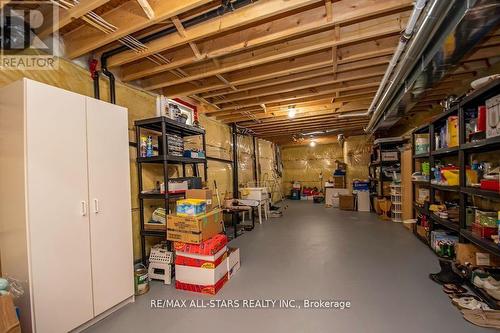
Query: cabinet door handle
{"type": "Point", "coordinates": [83, 208]}
{"type": "Point", "coordinates": [96, 206]}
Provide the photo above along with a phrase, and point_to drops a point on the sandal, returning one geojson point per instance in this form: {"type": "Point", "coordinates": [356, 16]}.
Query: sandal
{"type": "Point", "coordinates": [451, 288]}
{"type": "Point", "coordinates": [452, 296]}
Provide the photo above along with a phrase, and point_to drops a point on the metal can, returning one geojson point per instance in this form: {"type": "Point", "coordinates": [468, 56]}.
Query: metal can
{"type": "Point", "coordinates": [141, 280]}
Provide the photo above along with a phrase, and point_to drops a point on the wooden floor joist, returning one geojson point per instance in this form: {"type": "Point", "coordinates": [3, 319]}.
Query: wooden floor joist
{"type": "Point", "coordinates": [249, 64]}
{"type": "Point", "coordinates": [285, 50]}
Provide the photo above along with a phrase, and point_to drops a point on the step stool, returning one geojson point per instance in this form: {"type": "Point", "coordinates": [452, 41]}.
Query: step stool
{"type": "Point", "coordinates": [160, 264]}
{"type": "Point", "coordinates": [160, 271]}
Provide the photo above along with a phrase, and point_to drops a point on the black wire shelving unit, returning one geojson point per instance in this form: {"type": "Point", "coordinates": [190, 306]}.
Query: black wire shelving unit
{"type": "Point", "coordinates": [162, 127]}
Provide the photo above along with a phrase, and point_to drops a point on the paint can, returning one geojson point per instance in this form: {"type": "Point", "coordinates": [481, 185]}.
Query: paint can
{"type": "Point", "coordinates": [141, 279]}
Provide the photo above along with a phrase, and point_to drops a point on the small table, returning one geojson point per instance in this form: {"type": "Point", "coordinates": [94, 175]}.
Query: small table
{"type": "Point", "coordinates": [259, 204]}
{"type": "Point", "coordinates": [235, 211]}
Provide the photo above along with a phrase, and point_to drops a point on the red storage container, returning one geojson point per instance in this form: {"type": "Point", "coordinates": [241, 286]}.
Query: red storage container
{"type": "Point", "coordinates": [483, 232]}
{"type": "Point", "coordinates": [481, 118]}
{"type": "Point", "coordinates": [490, 185]}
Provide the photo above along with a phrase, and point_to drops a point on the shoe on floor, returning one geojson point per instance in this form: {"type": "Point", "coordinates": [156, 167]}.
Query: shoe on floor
{"type": "Point", "coordinates": [495, 293]}
{"type": "Point", "coordinates": [446, 275]}
{"type": "Point", "coordinates": [451, 288]}
{"type": "Point", "coordinates": [488, 319]}
{"type": "Point", "coordinates": [486, 283]}
{"type": "Point", "coordinates": [469, 303]}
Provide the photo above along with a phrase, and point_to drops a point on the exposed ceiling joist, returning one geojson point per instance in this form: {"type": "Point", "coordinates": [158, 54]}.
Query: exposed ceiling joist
{"type": "Point", "coordinates": [258, 11]}
{"type": "Point", "coordinates": [128, 19]}
{"type": "Point", "coordinates": [66, 16]}
{"type": "Point", "coordinates": [146, 7]}
{"type": "Point", "coordinates": [320, 90]}
{"type": "Point", "coordinates": [300, 84]}
{"type": "Point", "coordinates": [289, 49]}
{"type": "Point", "coordinates": [269, 32]}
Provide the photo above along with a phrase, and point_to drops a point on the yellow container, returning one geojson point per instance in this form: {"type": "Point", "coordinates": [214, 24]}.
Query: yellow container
{"type": "Point", "coordinates": [452, 177]}
{"type": "Point", "coordinates": [453, 131]}
{"type": "Point", "coordinates": [472, 177]}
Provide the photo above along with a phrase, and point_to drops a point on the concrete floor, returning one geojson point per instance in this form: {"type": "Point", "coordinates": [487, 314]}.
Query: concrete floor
{"type": "Point", "coordinates": [314, 253]}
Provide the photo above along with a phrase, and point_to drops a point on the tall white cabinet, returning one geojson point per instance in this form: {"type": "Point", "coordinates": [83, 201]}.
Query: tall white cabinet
{"type": "Point", "coordinates": [65, 208]}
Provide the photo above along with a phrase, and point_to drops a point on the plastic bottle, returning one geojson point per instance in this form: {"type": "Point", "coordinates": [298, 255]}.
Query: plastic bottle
{"type": "Point", "coordinates": [498, 224]}
{"type": "Point", "coordinates": [149, 146]}
{"type": "Point", "coordinates": [143, 146]}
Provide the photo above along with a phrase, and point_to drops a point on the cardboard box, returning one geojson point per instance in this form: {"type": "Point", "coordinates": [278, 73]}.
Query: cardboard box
{"type": "Point", "coordinates": [199, 260]}
{"type": "Point", "coordinates": [390, 156]}
{"type": "Point", "coordinates": [8, 317]}
{"type": "Point", "coordinates": [339, 181]}
{"type": "Point", "coordinates": [470, 253]}
{"type": "Point", "coordinates": [154, 226]}
{"type": "Point", "coordinates": [346, 202]}
{"type": "Point", "coordinates": [204, 289]}
{"type": "Point", "coordinates": [194, 229]}
{"type": "Point", "coordinates": [208, 248]}
{"type": "Point", "coordinates": [233, 261]}
{"type": "Point", "coordinates": [493, 117]}
{"type": "Point", "coordinates": [332, 195]}
{"type": "Point", "coordinates": [204, 194]}
{"type": "Point", "coordinates": [201, 275]}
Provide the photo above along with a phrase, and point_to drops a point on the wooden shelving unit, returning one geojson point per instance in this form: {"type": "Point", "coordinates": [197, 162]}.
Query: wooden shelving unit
{"type": "Point", "coordinates": [461, 153]}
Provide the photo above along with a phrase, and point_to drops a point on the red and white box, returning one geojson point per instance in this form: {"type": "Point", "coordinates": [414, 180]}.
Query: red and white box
{"type": "Point", "coordinates": [200, 275]}
{"type": "Point", "coordinates": [204, 289]}
{"type": "Point", "coordinates": [199, 260]}
{"type": "Point", "coordinates": [202, 267]}
{"type": "Point", "coordinates": [233, 261]}
{"type": "Point", "coordinates": [202, 279]}
{"type": "Point", "coordinates": [209, 247]}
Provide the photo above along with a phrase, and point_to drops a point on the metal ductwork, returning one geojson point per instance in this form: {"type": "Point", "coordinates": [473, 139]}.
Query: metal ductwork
{"type": "Point", "coordinates": [439, 45]}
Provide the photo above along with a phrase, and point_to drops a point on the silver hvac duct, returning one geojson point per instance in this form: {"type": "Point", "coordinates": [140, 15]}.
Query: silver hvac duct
{"type": "Point", "coordinates": [466, 24]}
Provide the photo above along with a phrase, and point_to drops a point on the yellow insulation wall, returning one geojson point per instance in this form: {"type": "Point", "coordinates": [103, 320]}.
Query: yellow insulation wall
{"type": "Point", "coordinates": [245, 161]}
{"type": "Point", "coordinates": [305, 163]}
{"type": "Point", "coordinates": [357, 151]}
{"type": "Point", "coordinates": [267, 168]}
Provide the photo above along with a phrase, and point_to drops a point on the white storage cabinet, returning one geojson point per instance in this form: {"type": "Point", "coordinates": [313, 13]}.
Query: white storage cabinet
{"type": "Point", "coordinates": [65, 208]}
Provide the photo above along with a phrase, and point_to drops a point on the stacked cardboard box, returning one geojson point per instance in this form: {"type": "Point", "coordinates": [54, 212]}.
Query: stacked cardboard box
{"type": "Point", "coordinates": [9, 322]}
{"type": "Point", "coordinates": [202, 258]}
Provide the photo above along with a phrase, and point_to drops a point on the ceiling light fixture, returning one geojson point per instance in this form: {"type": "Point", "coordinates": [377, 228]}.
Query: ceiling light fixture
{"type": "Point", "coordinates": [292, 111]}
{"type": "Point", "coordinates": [312, 143]}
